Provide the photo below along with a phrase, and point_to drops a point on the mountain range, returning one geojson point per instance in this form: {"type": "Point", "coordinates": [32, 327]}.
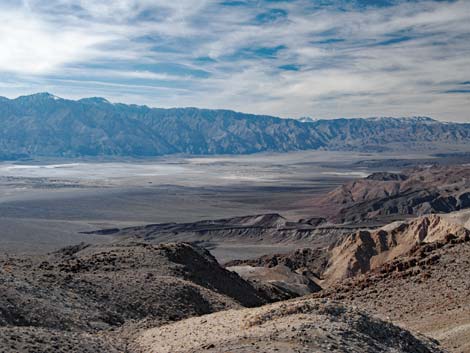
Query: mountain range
{"type": "Point", "coordinates": [43, 125]}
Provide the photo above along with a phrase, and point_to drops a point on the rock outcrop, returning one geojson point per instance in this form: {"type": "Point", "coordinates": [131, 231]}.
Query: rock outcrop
{"type": "Point", "coordinates": [427, 289]}
{"type": "Point", "coordinates": [364, 251]}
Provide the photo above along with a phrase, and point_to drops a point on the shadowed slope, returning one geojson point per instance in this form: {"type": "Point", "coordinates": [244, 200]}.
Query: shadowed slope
{"type": "Point", "coordinates": [82, 294]}
{"type": "Point", "coordinates": [416, 192]}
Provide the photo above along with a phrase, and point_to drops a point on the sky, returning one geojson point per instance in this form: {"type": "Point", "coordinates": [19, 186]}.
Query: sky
{"type": "Point", "coordinates": [288, 58]}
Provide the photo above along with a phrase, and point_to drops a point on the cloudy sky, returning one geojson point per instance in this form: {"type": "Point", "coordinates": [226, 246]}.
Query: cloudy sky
{"type": "Point", "coordinates": [318, 58]}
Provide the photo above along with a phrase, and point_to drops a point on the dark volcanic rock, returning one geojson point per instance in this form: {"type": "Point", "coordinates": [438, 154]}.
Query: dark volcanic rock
{"type": "Point", "coordinates": [84, 292]}
{"type": "Point", "coordinates": [384, 176]}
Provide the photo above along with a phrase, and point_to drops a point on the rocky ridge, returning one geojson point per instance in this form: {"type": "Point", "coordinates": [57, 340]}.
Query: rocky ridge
{"type": "Point", "coordinates": [92, 298]}
{"type": "Point", "coordinates": [391, 196]}
{"type": "Point", "coordinates": [252, 229]}
{"type": "Point", "coordinates": [426, 289]}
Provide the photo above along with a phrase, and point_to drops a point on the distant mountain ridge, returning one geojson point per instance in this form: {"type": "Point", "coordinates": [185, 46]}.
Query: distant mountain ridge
{"type": "Point", "coordinates": [45, 125]}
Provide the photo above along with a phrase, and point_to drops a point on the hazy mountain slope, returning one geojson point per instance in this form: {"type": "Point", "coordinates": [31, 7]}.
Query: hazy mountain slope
{"type": "Point", "coordinates": [44, 125]}
{"type": "Point", "coordinates": [41, 124]}
{"type": "Point", "coordinates": [382, 133]}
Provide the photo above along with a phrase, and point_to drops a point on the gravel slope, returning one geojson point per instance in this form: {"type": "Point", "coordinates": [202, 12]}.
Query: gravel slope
{"type": "Point", "coordinates": [304, 325]}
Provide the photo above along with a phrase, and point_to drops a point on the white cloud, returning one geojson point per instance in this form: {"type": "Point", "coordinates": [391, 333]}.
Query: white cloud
{"type": "Point", "coordinates": [33, 47]}
{"type": "Point", "coordinates": [121, 48]}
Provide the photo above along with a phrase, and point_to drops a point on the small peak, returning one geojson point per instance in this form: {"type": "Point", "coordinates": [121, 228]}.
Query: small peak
{"type": "Point", "coordinates": [307, 119]}
{"type": "Point", "coordinates": [410, 119]}
{"type": "Point", "coordinates": [40, 95]}
{"type": "Point", "coordinates": [424, 119]}
{"type": "Point", "coordinates": [95, 100]}
{"type": "Point", "coordinates": [418, 119]}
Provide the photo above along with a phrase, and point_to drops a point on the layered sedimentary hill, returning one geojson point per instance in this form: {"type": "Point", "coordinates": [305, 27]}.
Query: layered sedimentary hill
{"type": "Point", "coordinates": [254, 229]}
{"type": "Point", "coordinates": [384, 196]}
{"type": "Point", "coordinates": [414, 272]}
{"type": "Point", "coordinates": [46, 125]}
{"type": "Point", "coordinates": [304, 325]}
{"type": "Point", "coordinates": [364, 251]}
{"type": "Point", "coordinates": [278, 282]}
{"type": "Point", "coordinates": [284, 276]}
{"type": "Point", "coordinates": [296, 260]}
{"type": "Point", "coordinates": [426, 289]}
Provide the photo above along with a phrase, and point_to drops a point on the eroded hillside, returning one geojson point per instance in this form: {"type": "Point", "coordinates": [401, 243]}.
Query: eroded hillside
{"type": "Point", "coordinates": [388, 196]}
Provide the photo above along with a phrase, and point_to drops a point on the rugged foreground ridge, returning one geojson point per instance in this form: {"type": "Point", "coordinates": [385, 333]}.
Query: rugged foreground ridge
{"type": "Point", "coordinates": [127, 296]}
{"type": "Point", "coordinates": [45, 125]}
{"type": "Point", "coordinates": [92, 298]}
{"type": "Point", "coordinates": [414, 272]}
{"type": "Point", "coordinates": [123, 298]}
{"type": "Point", "coordinates": [304, 325]}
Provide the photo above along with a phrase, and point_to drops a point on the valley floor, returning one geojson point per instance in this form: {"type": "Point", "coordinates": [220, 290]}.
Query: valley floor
{"type": "Point", "coordinates": [47, 204]}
